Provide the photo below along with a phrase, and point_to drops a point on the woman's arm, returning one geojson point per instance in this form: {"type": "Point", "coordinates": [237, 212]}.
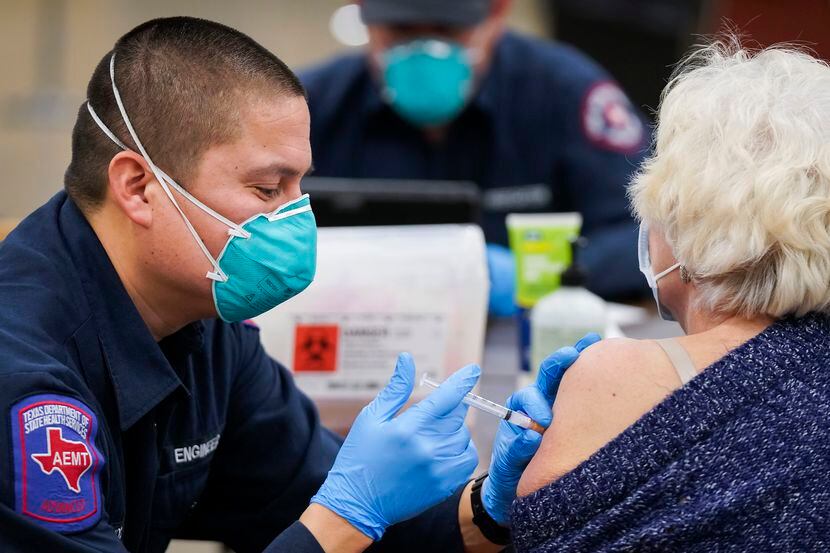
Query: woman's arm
{"type": "Point", "coordinates": [612, 384]}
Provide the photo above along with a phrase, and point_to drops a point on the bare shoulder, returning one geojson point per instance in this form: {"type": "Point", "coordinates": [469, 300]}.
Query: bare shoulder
{"type": "Point", "coordinates": [612, 384]}
{"type": "Point", "coordinates": [613, 369]}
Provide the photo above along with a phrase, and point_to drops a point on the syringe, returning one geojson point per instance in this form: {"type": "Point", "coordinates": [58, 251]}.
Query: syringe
{"type": "Point", "coordinates": [513, 417]}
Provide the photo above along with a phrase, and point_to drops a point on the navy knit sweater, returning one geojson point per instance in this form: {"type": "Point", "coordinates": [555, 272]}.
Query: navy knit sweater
{"type": "Point", "coordinates": [736, 460]}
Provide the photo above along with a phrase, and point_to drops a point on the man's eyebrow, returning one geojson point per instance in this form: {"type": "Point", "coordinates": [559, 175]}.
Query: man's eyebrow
{"type": "Point", "coordinates": [275, 170]}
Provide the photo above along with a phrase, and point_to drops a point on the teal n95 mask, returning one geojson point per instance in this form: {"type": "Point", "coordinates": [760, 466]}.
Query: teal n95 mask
{"type": "Point", "coordinates": [648, 272]}
{"type": "Point", "coordinates": [427, 81]}
{"type": "Point", "coordinates": [268, 258]}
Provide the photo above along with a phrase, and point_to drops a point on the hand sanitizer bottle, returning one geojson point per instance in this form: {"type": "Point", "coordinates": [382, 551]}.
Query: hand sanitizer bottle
{"type": "Point", "coordinates": [564, 316]}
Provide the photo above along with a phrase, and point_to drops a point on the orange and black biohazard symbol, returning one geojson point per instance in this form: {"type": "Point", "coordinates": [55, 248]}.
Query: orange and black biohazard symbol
{"type": "Point", "coordinates": [315, 348]}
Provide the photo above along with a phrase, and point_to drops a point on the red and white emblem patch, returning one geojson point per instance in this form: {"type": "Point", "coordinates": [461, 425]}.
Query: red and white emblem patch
{"type": "Point", "coordinates": [609, 120]}
{"type": "Point", "coordinates": [56, 463]}
{"type": "Point", "coordinates": [68, 458]}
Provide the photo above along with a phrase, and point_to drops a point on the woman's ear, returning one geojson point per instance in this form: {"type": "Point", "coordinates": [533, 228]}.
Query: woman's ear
{"type": "Point", "coordinates": [128, 176]}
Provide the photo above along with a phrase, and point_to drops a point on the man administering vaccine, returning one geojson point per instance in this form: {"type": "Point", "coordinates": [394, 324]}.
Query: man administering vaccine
{"type": "Point", "coordinates": [139, 406]}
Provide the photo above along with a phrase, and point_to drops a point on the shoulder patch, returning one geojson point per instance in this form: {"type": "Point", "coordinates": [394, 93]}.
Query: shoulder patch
{"type": "Point", "coordinates": [250, 323]}
{"type": "Point", "coordinates": [56, 464]}
{"type": "Point", "coordinates": [609, 120]}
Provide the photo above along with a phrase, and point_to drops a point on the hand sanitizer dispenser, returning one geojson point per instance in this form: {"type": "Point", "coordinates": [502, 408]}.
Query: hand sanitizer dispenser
{"type": "Point", "coordinates": [564, 316]}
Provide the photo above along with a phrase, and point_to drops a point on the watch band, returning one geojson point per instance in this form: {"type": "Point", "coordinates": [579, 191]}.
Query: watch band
{"type": "Point", "coordinates": [491, 529]}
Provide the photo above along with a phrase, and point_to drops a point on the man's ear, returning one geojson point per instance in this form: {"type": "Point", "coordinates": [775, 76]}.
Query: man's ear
{"type": "Point", "coordinates": [128, 175]}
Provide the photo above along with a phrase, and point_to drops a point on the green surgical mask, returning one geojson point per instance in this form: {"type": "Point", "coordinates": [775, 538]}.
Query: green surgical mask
{"type": "Point", "coordinates": [427, 81]}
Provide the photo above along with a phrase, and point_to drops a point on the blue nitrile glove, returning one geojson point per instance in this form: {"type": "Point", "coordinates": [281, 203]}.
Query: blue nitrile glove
{"type": "Point", "coordinates": [514, 446]}
{"type": "Point", "coordinates": [393, 468]}
{"type": "Point", "coordinates": [502, 270]}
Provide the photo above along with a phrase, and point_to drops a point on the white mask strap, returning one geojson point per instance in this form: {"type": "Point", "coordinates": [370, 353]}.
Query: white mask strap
{"type": "Point", "coordinates": [217, 273]}
{"type": "Point", "coordinates": [104, 128]}
{"type": "Point", "coordinates": [233, 228]}
{"type": "Point", "coordinates": [165, 181]}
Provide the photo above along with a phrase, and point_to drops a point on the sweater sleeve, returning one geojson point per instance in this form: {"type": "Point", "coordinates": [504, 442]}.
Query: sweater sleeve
{"type": "Point", "coordinates": [716, 465]}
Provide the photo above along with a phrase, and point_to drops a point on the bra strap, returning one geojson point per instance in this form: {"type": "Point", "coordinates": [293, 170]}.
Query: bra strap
{"type": "Point", "coordinates": [679, 358]}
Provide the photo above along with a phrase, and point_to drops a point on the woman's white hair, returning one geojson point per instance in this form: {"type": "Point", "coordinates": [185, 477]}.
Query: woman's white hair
{"type": "Point", "coordinates": [739, 180]}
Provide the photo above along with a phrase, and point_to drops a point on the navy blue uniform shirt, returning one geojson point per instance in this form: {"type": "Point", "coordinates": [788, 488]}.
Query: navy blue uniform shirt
{"type": "Point", "coordinates": [546, 131]}
{"type": "Point", "coordinates": [114, 442]}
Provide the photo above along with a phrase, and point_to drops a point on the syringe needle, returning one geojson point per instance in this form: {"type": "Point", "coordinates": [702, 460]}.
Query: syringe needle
{"type": "Point", "coordinates": [513, 417]}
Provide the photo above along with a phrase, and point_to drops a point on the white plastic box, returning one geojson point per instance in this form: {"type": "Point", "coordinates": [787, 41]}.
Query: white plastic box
{"type": "Point", "coordinates": [379, 291]}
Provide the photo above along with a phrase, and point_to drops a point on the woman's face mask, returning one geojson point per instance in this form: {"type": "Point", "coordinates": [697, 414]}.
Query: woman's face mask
{"type": "Point", "coordinates": [268, 259]}
{"type": "Point", "coordinates": [428, 81]}
{"type": "Point", "coordinates": [648, 272]}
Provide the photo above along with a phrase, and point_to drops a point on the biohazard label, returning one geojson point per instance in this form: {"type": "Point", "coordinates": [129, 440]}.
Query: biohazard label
{"type": "Point", "coordinates": [343, 355]}
{"type": "Point", "coordinates": [315, 348]}
{"type": "Point", "coordinates": [56, 463]}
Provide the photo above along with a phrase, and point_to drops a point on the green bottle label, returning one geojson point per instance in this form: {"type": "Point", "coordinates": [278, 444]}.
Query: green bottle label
{"type": "Point", "coordinates": [541, 246]}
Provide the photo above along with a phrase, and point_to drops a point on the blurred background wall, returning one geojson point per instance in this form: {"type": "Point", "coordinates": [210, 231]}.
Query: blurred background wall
{"type": "Point", "coordinates": [639, 40]}
{"type": "Point", "coordinates": [48, 49]}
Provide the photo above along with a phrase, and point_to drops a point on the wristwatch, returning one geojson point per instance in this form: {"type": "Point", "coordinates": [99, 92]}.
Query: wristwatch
{"type": "Point", "coordinates": [491, 529]}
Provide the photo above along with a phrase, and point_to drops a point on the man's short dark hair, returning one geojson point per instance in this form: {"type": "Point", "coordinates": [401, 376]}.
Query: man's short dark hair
{"type": "Point", "coordinates": [183, 81]}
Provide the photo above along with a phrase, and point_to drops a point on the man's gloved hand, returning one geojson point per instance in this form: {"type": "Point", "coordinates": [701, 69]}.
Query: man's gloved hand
{"type": "Point", "coordinates": [393, 468]}
{"type": "Point", "coordinates": [502, 269]}
{"type": "Point", "coordinates": [514, 447]}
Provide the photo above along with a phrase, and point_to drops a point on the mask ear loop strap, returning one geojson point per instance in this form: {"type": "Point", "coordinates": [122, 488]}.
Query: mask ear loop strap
{"type": "Point", "coordinates": [104, 128]}
{"type": "Point", "coordinates": [217, 274]}
{"type": "Point", "coordinates": [233, 228]}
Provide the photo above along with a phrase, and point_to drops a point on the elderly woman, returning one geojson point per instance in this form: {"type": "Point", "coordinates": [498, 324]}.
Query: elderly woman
{"type": "Point", "coordinates": [720, 439]}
